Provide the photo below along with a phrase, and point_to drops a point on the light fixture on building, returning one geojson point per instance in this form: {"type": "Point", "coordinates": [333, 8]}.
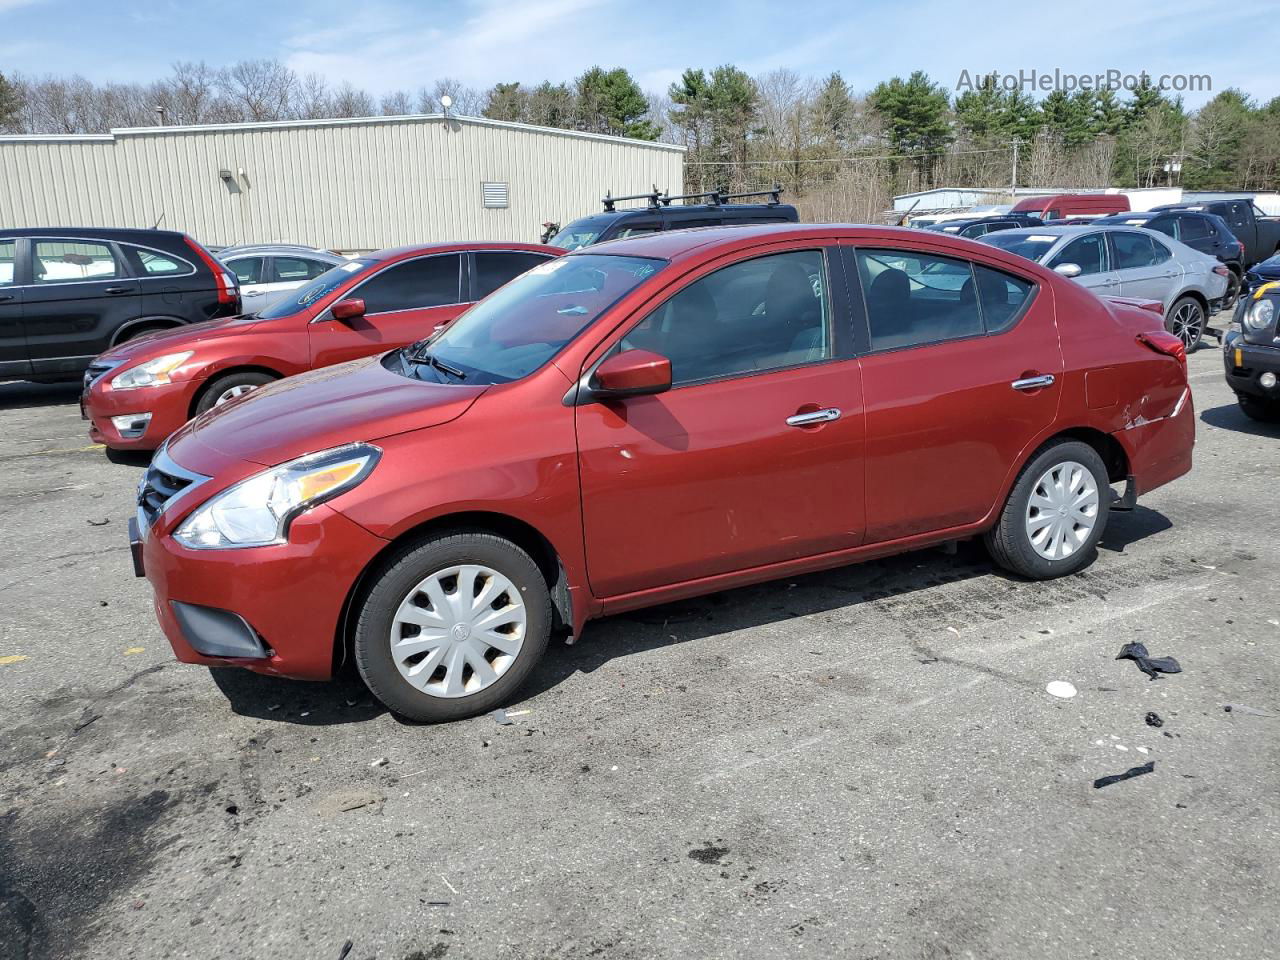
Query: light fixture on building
{"type": "Point", "coordinates": [446, 101]}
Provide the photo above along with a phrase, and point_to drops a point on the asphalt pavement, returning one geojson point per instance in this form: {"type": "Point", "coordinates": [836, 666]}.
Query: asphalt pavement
{"type": "Point", "coordinates": [860, 763]}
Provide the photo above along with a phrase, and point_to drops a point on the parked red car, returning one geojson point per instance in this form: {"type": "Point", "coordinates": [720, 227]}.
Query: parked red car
{"type": "Point", "coordinates": [648, 420]}
{"type": "Point", "coordinates": [138, 393]}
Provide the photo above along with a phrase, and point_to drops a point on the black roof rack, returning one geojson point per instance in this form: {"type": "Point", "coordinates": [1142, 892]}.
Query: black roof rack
{"type": "Point", "coordinates": [715, 198]}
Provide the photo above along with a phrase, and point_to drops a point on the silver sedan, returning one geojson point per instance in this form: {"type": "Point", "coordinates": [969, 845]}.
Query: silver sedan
{"type": "Point", "coordinates": [1126, 262]}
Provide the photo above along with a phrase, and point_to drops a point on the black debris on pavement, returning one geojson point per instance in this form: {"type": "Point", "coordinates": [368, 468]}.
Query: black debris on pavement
{"type": "Point", "coordinates": [1151, 666]}
{"type": "Point", "coordinates": [1153, 719]}
{"type": "Point", "coordinates": [99, 523]}
{"type": "Point", "coordinates": [1129, 774]}
{"type": "Point", "coordinates": [1241, 708]}
{"type": "Point", "coordinates": [346, 948]}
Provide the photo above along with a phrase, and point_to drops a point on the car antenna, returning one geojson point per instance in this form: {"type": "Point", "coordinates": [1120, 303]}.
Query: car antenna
{"type": "Point", "coordinates": [156, 225]}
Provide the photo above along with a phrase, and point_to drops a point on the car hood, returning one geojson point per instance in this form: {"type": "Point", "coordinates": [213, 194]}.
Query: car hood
{"type": "Point", "coordinates": [347, 403]}
{"type": "Point", "coordinates": [178, 339]}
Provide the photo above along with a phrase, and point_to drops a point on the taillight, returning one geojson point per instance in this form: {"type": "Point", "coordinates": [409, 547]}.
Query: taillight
{"type": "Point", "coordinates": [226, 284]}
{"type": "Point", "coordinates": [1221, 271]}
{"type": "Point", "coordinates": [1161, 341]}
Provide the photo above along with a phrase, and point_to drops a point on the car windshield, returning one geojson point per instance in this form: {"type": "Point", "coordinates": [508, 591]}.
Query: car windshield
{"type": "Point", "coordinates": [1033, 246]}
{"type": "Point", "coordinates": [317, 289]}
{"type": "Point", "coordinates": [581, 233]}
{"type": "Point", "coordinates": [517, 329]}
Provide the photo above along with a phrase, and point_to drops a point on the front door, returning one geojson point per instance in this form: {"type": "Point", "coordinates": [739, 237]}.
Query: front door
{"type": "Point", "coordinates": [13, 344]}
{"type": "Point", "coordinates": [80, 295]}
{"type": "Point", "coordinates": [963, 371]}
{"type": "Point", "coordinates": [1093, 256]}
{"type": "Point", "coordinates": [403, 303]}
{"type": "Point", "coordinates": [755, 454]}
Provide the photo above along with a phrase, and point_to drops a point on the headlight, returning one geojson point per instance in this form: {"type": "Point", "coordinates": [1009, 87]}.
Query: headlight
{"type": "Point", "coordinates": [1260, 315]}
{"type": "Point", "coordinates": [256, 512]}
{"type": "Point", "coordinates": [153, 373]}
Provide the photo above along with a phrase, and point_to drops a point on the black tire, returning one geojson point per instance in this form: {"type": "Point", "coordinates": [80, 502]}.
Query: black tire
{"type": "Point", "coordinates": [1255, 408]}
{"type": "Point", "coordinates": [1008, 541]}
{"type": "Point", "coordinates": [142, 331]}
{"type": "Point", "coordinates": [220, 385]}
{"type": "Point", "coordinates": [1186, 320]}
{"type": "Point", "coordinates": [1229, 298]}
{"type": "Point", "coordinates": [391, 587]}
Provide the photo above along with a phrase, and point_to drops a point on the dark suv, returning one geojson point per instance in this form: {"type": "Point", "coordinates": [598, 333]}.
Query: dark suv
{"type": "Point", "coordinates": [658, 214]}
{"type": "Point", "coordinates": [1206, 232]}
{"type": "Point", "coordinates": [68, 294]}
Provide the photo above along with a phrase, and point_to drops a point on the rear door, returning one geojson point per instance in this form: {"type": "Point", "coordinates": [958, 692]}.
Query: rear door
{"type": "Point", "coordinates": [1145, 265]}
{"type": "Point", "coordinates": [963, 371]}
{"type": "Point", "coordinates": [81, 293]}
{"type": "Point", "coordinates": [737, 465]}
{"type": "Point", "coordinates": [1092, 255]}
{"type": "Point", "coordinates": [14, 361]}
{"type": "Point", "coordinates": [404, 302]}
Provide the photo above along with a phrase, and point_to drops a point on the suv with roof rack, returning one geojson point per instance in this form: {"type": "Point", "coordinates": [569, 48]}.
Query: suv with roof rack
{"type": "Point", "coordinates": [658, 214]}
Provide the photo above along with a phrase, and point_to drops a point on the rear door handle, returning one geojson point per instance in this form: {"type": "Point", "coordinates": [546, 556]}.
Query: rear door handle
{"type": "Point", "coordinates": [817, 416]}
{"type": "Point", "coordinates": [5, 296]}
{"type": "Point", "coordinates": [114, 290]}
{"type": "Point", "coordinates": [1033, 383]}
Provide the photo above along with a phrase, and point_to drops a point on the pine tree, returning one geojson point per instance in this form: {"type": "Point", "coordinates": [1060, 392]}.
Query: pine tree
{"type": "Point", "coordinates": [915, 116]}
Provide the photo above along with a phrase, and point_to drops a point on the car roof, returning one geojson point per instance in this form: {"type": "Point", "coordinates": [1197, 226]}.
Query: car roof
{"type": "Point", "coordinates": [744, 209]}
{"type": "Point", "coordinates": [456, 246]}
{"type": "Point", "coordinates": [285, 249]}
{"type": "Point", "coordinates": [138, 234]}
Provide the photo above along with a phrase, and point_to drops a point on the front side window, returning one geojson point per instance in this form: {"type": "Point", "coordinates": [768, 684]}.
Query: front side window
{"type": "Point", "coordinates": [8, 261]}
{"type": "Point", "coordinates": [1135, 250]}
{"type": "Point", "coordinates": [637, 230]}
{"type": "Point", "coordinates": [1089, 253]}
{"type": "Point", "coordinates": [760, 314]}
{"type": "Point", "coordinates": [499, 267]}
{"type": "Point", "coordinates": [914, 299]}
{"type": "Point", "coordinates": [74, 261]}
{"type": "Point", "coordinates": [296, 269]}
{"type": "Point", "coordinates": [1193, 228]}
{"type": "Point", "coordinates": [515, 331]}
{"type": "Point", "coordinates": [247, 269]}
{"type": "Point", "coordinates": [414, 285]}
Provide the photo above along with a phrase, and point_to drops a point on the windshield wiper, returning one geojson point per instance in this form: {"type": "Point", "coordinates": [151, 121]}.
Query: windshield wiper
{"type": "Point", "coordinates": [439, 364]}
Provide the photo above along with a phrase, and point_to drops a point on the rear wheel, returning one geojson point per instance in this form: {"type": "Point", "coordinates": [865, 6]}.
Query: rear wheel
{"type": "Point", "coordinates": [228, 387]}
{"type": "Point", "coordinates": [1233, 292]}
{"type": "Point", "coordinates": [1186, 321]}
{"type": "Point", "coordinates": [453, 627]}
{"type": "Point", "coordinates": [1055, 514]}
{"type": "Point", "coordinates": [1255, 408]}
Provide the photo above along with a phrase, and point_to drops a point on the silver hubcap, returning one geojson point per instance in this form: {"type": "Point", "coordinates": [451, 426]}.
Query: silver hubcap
{"type": "Point", "coordinates": [1187, 323]}
{"type": "Point", "coordinates": [458, 631]}
{"type": "Point", "coordinates": [1063, 510]}
{"type": "Point", "coordinates": [231, 393]}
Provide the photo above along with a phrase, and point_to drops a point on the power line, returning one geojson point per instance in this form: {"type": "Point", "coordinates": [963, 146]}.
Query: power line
{"type": "Point", "coordinates": [855, 159]}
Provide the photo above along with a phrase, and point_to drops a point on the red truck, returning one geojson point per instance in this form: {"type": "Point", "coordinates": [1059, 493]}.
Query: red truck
{"type": "Point", "coordinates": [1063, 206]}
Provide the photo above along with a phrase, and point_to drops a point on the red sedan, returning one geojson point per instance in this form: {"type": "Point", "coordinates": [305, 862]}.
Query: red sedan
{"type": "Point", "coordinates": [140, 392]}
{"type": "Point", "coordinates": [648, 420]}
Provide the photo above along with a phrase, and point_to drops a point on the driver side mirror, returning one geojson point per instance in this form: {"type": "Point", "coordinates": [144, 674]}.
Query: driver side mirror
{"type": "Point", "coordinates": [1068, 270]}
{"type": "Point", "coordinates": [348, 309]}
{"type": "Point", "coordinates": [631, 373]}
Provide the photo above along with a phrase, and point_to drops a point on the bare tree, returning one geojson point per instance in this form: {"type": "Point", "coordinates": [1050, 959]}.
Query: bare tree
{"type": "Point", "coordinates": [467, 101]}
{"type": "Point", "coordinates": [312, 100]}
{"type": "Point", "coordinates": [399, 103]}
{"type": "Point", "coordinates": [347, 101]}
{"type": "Point", "coordinates": [263, 89]}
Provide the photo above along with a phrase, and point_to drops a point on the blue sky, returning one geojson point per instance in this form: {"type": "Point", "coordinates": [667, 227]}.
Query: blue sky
{"type": "Point", "coordinates": [388, 44]}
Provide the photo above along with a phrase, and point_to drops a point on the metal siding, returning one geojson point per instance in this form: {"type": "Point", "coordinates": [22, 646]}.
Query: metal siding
{"type": "Point", "coordinates": [352, 185]}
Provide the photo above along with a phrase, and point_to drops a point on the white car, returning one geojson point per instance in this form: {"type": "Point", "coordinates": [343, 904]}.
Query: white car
{"type": "Point", "coordinates": [1124, 262]}
{"type": "Point", "coordinates": [266, 271]}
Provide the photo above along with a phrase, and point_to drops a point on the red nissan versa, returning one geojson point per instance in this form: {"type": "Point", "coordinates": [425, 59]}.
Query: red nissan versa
{"type": "Point", "coordinates": [141, 391]}
{"type": "Point", "coordinates": [648, 420]}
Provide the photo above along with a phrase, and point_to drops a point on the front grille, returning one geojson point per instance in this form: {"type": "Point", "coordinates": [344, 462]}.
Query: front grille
{"type": "Point", "coordinates": [96, 371]}
{"type": "Point", "coordinates": [163, 481]}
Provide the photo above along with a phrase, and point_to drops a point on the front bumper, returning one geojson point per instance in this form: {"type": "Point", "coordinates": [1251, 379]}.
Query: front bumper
{"type": "Point", "coordinates": [168, 405]}
{"type": "Point", "coordinates": [1245, 363]}
{"type": "Point", "coordinates": [281, 607]}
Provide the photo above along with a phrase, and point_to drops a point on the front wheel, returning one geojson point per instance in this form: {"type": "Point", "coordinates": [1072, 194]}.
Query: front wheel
{"type": "Point", "coordinates": [1186, 321]}
{"type": "Point", "coordinates": [233, 385]}
{"type": "Point", "coordinates": [1055, 514]}
{"type": "Point", "coordinates": [453, 627]}
{"type": "Point", "coordinates": [1255, 408]}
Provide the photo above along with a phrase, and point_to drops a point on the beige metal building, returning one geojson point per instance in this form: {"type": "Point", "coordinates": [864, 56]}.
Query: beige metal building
{"type": "Point", "coordinates": [351, 184]}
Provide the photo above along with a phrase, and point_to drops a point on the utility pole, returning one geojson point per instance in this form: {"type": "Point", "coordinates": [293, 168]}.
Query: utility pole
{"type": "Point", "coordinates": [1013, 180]}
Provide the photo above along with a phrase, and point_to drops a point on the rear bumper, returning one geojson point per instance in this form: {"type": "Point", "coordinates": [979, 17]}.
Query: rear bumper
{"type": "Point", "coordinates": [1160, 450]}
{"type": "Point", "coordinates": [274, 610]}
{"type": "Point", "coordinates": [167, 405]}
{"type": "Point", "coordinates": [1244, 363]}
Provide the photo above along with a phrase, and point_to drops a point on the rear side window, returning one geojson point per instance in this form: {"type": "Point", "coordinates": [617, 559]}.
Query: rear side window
{"type": "Point", "coordinates": [1193, 228]}
{"type": "Point", "coordinates": [699, 222]}
{"type": "Point", "coordinates": [913, 299]}
{"type": "Point", "coordinates": [74, 261]}
{"type": "Point", "coordinates": [495, 269]}
{"type": "Point", "coordinates": [247, 269]}
{"type": "Point", "coordinates": [636, 230]}
{"type": "Point", "coordinates": [1134, 250]}
{"type": "Point", "coordinates": [1089, 253]}
{"type": "Point", "coordinates": [154, 263]}
{"type": "Point", "coordinates": [8, 261]}
{"type": "Point", "coordinates": [296, 269]}
{"type": "Point", "coordinates": [413, 285]}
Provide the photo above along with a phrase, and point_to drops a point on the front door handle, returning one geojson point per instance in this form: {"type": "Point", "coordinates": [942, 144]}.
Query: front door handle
{"type": "Point", "coordinates": [1033, 383]}
{"type": "Point", "coordinates": [5, 296]}
{"type": "Point", "coordinates": [816, 416]}
{"type": "Point", "coordinates": [115, 290]}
